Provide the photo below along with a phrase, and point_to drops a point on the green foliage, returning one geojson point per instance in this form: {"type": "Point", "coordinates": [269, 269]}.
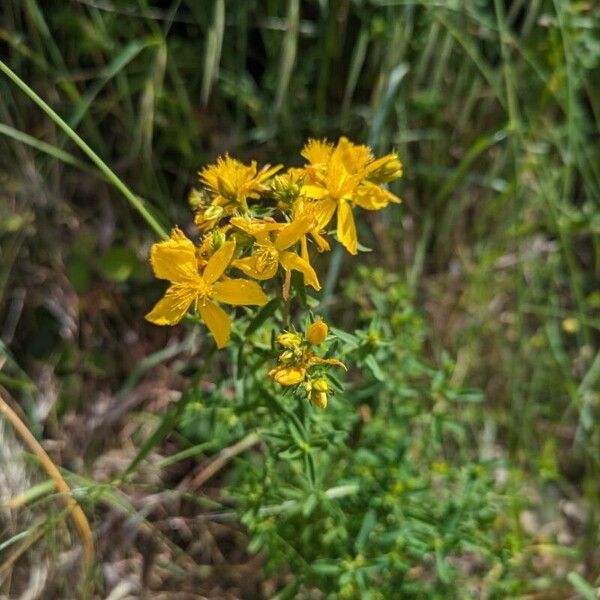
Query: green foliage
{"type": "Point", "coordinates": [412, 479]}
{"type": "Point", "coordinates": [343, 500]}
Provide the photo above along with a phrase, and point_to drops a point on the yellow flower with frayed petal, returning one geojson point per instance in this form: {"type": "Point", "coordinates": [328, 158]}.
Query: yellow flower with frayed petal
{"type": "Point", "coordinates": [175, 260]}
{"type": "Point", "coordinates": [337, 178]}
{"type": "Point", "coordinates": [317, 152]}
{"type": "Point", "coordinates": [272, 243]}
{"type": "Point", "coordinates": [233, 181]}
{"type": "Point", "coordinates": [232, 184]}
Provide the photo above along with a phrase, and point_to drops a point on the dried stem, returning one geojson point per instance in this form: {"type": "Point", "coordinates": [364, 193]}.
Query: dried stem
{"type": "Point", "coordinates": [77, 514]}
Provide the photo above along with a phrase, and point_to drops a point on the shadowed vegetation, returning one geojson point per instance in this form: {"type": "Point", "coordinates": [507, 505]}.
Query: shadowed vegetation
{"type": "Point", "coordinates": [461, 458]}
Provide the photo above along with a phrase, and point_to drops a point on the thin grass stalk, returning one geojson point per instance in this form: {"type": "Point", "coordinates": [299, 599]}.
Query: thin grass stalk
{"type": "Point", "coordinates": [288, 56]}
{"type": "Point", "coordinates": [108, 173]}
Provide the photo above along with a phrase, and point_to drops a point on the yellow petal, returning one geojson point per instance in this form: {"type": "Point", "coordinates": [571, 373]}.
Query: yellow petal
{"type": "Point", "coordinates": [239, 292]}
{"type": "Point", "coordinates": [255, 227]}
{"type": "Point", "coordinates": [324, 211]}
{"type": "Point", "coordinates": [322, 243]}
{"type": "Point", "coordinates": [217, 321]}
{"type": "Point", "coordinates": [174, 259]}
{"type": "Point", "coordinates": [293, 231]}
{"type": "Point", "coordinates": [173, 306]}
{"type": "Point", "coordinates": [291, 261]}
{"type": "Point", "coordinates": [218, 262]}
{"type": "Point", "coordinates": [346, 229]}
{"type": "Point", "coordinates": [372, 197]}
{"type": "Point", "coordinates": [304, 248]}
{"type": "Point", "coordinates": [267, 172]}
{"type": "Point", "coordinates": [257, 266]}
{"type": "Point", "coordinates": [317, 151]}
{"type": "Point", "coordinates": [315, 192]}
{"type": "Point", "coordinates": [354, 157]}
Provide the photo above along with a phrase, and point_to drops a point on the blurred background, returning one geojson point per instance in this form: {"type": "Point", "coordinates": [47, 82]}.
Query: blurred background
{"type": "Point", "coordinates": [493, 107]}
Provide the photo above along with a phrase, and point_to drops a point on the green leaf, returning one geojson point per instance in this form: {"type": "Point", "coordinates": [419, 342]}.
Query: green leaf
{"type": "Point", "coordinates": [443, 567]}
{"type": "Point", "coordinates": [118, 263]}
{"type": "Point", "coordinates": [368, 523]}
{"type": "Point", "coordinates": [326, 567]}
{"type": "Point", "coordinates": [375, 368]}
{"type": "Point", "coordinates": [267, 311]}
{"type": "Point", "coordinates": [582, 586]}
{"type": "Point", "coordinates": [344, 336]}
{"type": "Point", "coordinates": [299, 288]}
{"type": "Point", "coordinates": [79, 274]}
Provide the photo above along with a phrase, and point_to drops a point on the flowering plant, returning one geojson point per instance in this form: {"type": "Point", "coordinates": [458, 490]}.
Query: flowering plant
{"type": "Point", "coordinates": [261, 224]}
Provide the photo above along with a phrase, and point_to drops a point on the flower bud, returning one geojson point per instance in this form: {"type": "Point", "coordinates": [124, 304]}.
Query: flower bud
{"type": "Point", "coordinates": [197, 198]}
{"type": "Point", "coordinates": [212, 212]}
{"type": "Point", "coordinates": [287, 356]}
{"type": "Point", "coordinates": [319, 399]}
{"type": "Point", "coordinates": [218, 239]}
{"type": "Point", "coordinates": [289, 340]}
{"type": "Point", "coordinates": [287, 375]}
{"type": "Point", "coordinates": [389, 171]}
{"type": "Point", "coordinates": [318, 392]}
{"type": "Point", "coordinates": [317, 332]}
{"type": "Point", "coordinates": [320, 385]}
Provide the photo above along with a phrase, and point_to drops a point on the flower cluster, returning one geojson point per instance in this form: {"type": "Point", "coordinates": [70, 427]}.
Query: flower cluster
{"type": "Point", "coordinates": [299, 364]}
{"type": "Point", "coordinates": [260, 223]}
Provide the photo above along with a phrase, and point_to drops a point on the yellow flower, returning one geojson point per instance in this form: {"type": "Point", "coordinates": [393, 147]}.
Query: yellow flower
{"type": "Point", "coordinates": [233, 181]}
{"type": "Point", "coordinates": [272, 243]}
{"type": "Point", "coordinates": [338, 178]}
{"type": "Point", "coordinates": [385, 169]}
{"type": "Point", "coordinates": [317, 152]}
{"type": "Point", "coordinates": [175, 260]}
{"type": "Point", "coordinates": [317, 332]}
{"type": "Point", "coordinates": [232, 184]}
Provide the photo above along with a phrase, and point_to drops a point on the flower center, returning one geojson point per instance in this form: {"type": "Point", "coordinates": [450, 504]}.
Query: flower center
{"type": "Point", "coordinates": [266, 257]}
{"type": "Point", "coordinates": [204, 290]}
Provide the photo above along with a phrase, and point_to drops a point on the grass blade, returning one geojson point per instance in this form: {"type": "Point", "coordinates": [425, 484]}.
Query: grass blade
{"type": "Point", "coordinates": [136, 202]}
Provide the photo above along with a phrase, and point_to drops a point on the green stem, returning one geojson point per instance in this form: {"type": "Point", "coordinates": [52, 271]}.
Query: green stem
{"type": "Point", "coordinates": [112, 178]}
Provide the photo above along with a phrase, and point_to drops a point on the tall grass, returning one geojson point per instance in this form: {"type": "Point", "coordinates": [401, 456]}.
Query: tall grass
{"type": "Point", "coordinates": [492, 106]}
